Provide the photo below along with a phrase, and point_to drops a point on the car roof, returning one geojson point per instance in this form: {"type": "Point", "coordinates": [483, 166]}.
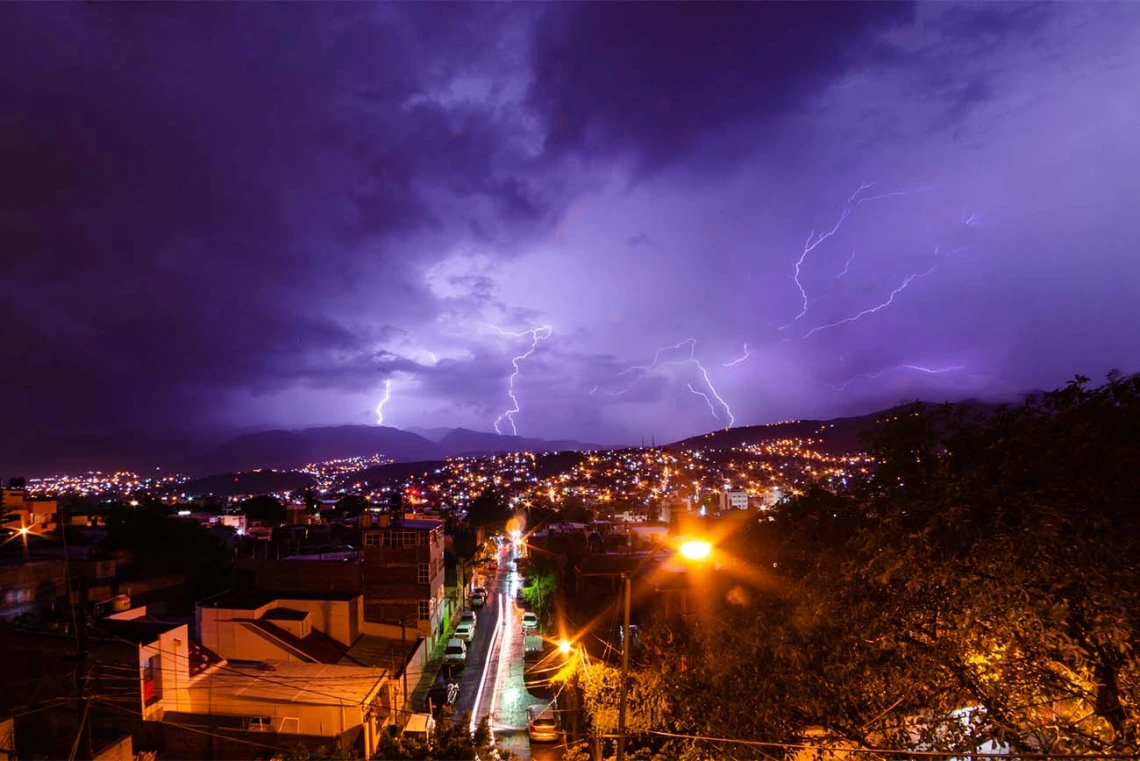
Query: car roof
{"type": "Point", "coordinates": [535, 712]}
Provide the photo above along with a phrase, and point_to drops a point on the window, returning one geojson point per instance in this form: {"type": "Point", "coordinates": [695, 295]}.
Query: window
{"type": "Point", "coordinates": [425, 609]}
{"type": "Point", "coordinates": [423, 574]}
{"type": "Point", "coordinates": [260, 724]}
{"type": "Point", "coordinates": [152, 680]}
{"type": "Point", "coordinates": [372, 539]}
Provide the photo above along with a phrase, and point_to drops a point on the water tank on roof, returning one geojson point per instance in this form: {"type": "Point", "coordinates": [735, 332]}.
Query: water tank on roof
{"type": "Point", "coordinates": [120, 603]}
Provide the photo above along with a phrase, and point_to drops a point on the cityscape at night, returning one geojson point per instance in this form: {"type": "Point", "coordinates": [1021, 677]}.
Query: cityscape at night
{"type": "Point", "coordinates": [570, 381]}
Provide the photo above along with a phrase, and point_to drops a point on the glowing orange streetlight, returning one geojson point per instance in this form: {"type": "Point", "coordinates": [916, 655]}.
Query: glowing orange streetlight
{"type": "Point", "coordinates": [696, 549]}
{"type": "Point", "coordinates": [565, 647]}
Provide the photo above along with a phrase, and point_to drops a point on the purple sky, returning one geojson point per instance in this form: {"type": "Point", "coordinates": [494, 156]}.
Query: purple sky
{"type": "Point", "coordinates": [262, 214]}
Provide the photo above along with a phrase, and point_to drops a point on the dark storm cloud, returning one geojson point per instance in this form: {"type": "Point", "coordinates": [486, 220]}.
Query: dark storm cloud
{"type": "Point", "coordinates": [657, 79]}
{"type": "Point", "coordinates": [196, 196]}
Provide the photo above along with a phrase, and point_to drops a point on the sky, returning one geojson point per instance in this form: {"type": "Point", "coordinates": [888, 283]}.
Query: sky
{"type": "Point", "coordinates": [621, 220]}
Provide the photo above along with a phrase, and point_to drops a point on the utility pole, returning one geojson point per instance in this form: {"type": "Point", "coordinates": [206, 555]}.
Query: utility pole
{"type": "Point", "coordinates": [404, 661]}
{"type": "Point", "coordinates": [624, 666]}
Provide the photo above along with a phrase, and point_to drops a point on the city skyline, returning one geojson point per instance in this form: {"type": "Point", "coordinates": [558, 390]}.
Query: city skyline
{"type": "Point", "coordinates": [591, 222]}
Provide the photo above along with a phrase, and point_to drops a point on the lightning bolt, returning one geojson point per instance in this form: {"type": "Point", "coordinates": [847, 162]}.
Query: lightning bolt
{"type": "Point", "coordinates": [380, 406]}
{"type": "Point", "coordinates": [813, 240]}
{"type": "Point", "coordinates": [872, 310]}
{"type": "Point", "coordinates": [847, 266]}
{"type": "Point", "coordinates": [689, 360]}
{"type": "Point", "coordinates": [536, 335]}
{"type": "Point", "coordinates": [739, 359]}
{"type": "Point", "coordinates": [704, 396]}
{"type": "Point", "coordinates": [918, 368]}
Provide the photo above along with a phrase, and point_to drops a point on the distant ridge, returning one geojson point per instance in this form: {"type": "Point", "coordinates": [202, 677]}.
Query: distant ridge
{"type": "Point", "coordinates": [836, 436]}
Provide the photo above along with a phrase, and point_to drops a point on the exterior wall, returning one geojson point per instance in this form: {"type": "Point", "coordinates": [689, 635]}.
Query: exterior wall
{"type": "Point", "coordinates": [393, 558]}
{"type": "Point", "coordinates": [7, 739]}
{"type": "Point", "coordinates": [242, 641]}
{"type": "Point", "coordinates": [173, 653]}
{"type": "Point", "coordinates": [304, 575]}
{"type": "Point", "coordinates": [340, 619]}
{"type": "Point", "coordinates": [123, 750]}
{"type": "Point", "coordinates": [36, 515]}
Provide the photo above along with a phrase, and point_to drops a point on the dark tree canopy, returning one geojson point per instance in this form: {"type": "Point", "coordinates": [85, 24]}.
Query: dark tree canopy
{"type": "Point", "coordinates": [983, 586]}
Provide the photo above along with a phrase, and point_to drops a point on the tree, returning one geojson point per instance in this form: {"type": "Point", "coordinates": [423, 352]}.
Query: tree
{"type": "Point", "coordinates": [263, 508]}
{"type": "Point", "coordinates": [984, 585]}
{"type": "Point", "coordinates": [451, 741]}
{"type": "Point", "coordinates": [488, 512]}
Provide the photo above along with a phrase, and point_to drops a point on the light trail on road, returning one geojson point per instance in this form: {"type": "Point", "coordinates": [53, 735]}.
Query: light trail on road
{"type": "Point", "coordinates": [486, 666]}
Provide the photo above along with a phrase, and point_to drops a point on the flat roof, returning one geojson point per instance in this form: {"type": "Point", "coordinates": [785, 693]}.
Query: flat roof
{"type": "Point", "coordinates": [292, 682]}
{"type": "Point", "coordinates": [286, 614]}
{"type": "Point", "coordinates": [142, 631]}
{"type": "Point", "coordinates": [409, 524]}
{"type": "Point", "coordinates": [252, 600]}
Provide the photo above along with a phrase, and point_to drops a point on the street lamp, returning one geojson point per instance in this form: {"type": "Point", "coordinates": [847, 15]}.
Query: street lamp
{"type": "Point", "coordinates": [693, 549]}
{"type": "Point", "coordinates": [564, 647]}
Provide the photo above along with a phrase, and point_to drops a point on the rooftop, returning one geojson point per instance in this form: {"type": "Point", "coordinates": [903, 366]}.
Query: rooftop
{"type": "Point", "coordinates": [141, 631]}
{"type": "Point", "coordinates": [293, 682]}
{"type": "Point", "coordinates": [286, 614]}
{"type": "Point", "coordinates": [252, 600]}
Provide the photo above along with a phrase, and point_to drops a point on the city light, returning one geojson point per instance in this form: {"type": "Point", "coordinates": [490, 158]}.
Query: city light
{"type": "Point", "coordinates": [564, 647]}
{"type": "Point", "coordinates": [695, 549]}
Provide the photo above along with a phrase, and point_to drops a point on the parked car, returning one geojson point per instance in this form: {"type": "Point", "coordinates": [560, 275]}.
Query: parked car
{"type": "Point", "coordinates": [467, 617]}
{"type": "Point", "coordinates": [542, 724]}
{"type": "Point", "coordinates": [443, 692]}
{"type": "Point", "coordinates": [530, 621]}
{"type": "Point", "coordinates": [455, 654]}
{"type": "Point", "coordinates": [465, 632]}
{"type": "Point", "coordinates": [478, 600]}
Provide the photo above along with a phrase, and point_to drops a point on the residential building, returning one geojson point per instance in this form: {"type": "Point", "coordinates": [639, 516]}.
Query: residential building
{"type": "Point", "coordinates": [403, 571]}
{"type": "Point", "coordinates": [28, 515]}
{"type": "Point", "coordinates": [733, 500]}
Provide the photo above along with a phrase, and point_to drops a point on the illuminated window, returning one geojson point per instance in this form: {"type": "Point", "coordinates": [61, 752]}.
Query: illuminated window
{"type": "Point", "coordinates": [152, 680]}
{"type": "Point", "coordinates": [423, 574]}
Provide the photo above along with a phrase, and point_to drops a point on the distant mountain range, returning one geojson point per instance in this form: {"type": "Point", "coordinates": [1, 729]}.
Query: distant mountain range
{"type": "Point", "coordinates": [289, 450]}
{"type": "Point", "coordinates": [282, 450]}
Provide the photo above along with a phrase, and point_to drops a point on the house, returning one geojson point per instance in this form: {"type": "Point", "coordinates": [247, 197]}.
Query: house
{"type": "Point", "coordinates": [149, 678]}
{"type": "Point", "coordinates": [24, 514]}
{"type": "Point", "coordinates": [404, 571]}
{"type": "Point", "coordinates": [259, 626]}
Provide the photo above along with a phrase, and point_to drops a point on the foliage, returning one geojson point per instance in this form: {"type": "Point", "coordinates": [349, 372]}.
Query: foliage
{"type": "Point", "coordinates": [333, 752]}
{"type": "Point", "coordinates": [352, 505]}
{"type": "Point", "coordinates": [488, 512]}
{"type": "Point", "coordinates": [539, 594]}
{"type": "Point", "coordinates": [162, 544]}
{"type": "Point", "coordinates": [263, 508]}
{"type": "Point", "coordinates": [983, 586]}
{"type": "Point", "coordinates": [451, 741]}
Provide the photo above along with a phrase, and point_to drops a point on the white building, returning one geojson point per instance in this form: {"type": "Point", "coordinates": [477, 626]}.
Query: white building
{"type": "Point", "coordinates": [733, 500]}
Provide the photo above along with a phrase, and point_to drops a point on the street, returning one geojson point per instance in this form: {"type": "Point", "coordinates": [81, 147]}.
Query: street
{"type": "Point", "coordinates": [492, 683]}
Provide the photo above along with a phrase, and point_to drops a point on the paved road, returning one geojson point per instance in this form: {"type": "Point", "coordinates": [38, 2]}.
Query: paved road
{"type": "Point", "coordinates": [492, 683]}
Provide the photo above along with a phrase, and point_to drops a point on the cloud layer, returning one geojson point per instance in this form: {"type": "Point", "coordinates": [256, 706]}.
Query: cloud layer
{"type": "Point", "coordinates": [258, 214]}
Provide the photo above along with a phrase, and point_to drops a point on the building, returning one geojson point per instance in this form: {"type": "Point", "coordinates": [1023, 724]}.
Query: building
{"type": "Point", "coordinates": [403, 571]}
{"type": "Point", "coordinates": [24, 514]}
{"type": "Point", "coordinates": [733, 500]}
{"type": "Point", "coordinates": [263, 626]}
{"type": "Point", "coordinates": [181, 699]}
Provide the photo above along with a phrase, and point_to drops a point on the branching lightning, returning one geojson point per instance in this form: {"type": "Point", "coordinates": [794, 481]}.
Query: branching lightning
{"type": "Point", "coordinates": [871, 310]}
{"type": "Point", "coordinates": [689, 360]}
{"type": "Point", "coordinates": [739, 359]}
{"type": "Point", "coordinates": [380, 406]}
{"type": "Point", "coordinates": [813, 242]}
{"type": "Point", "coordinates": [918, 368]}
{"type": "Point", "coordinates": [536, 335]}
